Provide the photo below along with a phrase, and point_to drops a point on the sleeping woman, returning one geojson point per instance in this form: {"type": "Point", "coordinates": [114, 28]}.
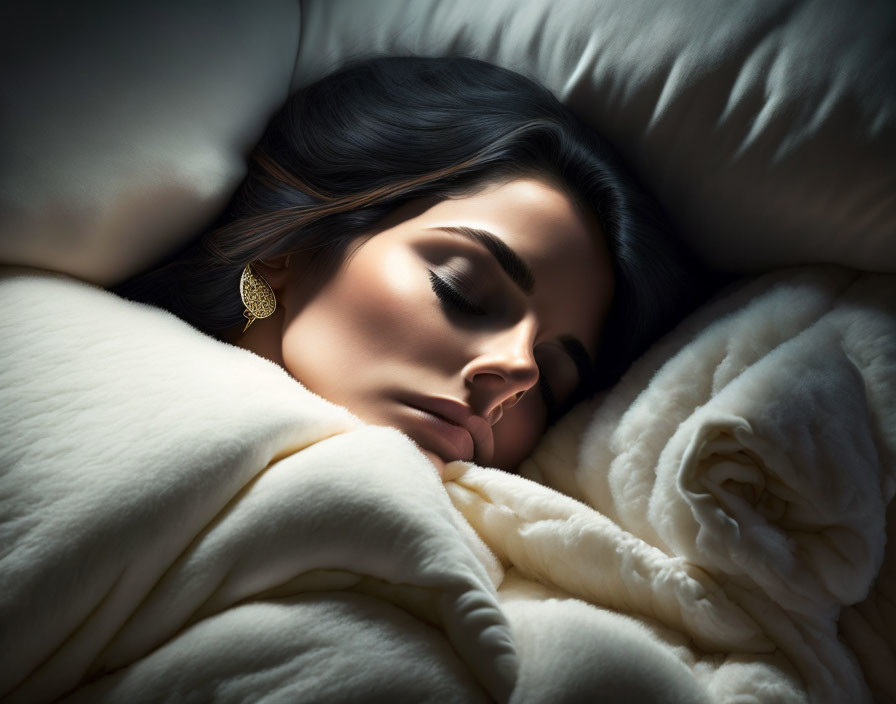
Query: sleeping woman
{"type": "Point", "coordinates": [438, 245]}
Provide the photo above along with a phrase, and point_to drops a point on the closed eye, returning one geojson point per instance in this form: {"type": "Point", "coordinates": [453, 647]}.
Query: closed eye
{"type": "Point", "coordinates": [450, 296]}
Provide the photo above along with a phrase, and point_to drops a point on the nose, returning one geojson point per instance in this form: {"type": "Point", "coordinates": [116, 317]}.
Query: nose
{"type": "Point", "coordinates": [502, 371]}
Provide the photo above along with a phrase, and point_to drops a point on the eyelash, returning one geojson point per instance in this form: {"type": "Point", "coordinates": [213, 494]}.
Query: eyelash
{"type": "Point", "coordinates": [450, 296]}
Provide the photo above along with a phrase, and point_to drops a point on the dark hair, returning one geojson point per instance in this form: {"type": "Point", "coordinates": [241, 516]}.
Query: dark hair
{"type": "Point", "coordinates": [346, 150]}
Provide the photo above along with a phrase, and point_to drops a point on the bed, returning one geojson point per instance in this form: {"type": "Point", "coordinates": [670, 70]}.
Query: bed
{"type": "Point", "coordinates": [182, 521]}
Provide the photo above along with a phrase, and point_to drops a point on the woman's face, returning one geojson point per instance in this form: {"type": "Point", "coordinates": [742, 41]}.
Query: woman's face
{"type": "Point", "coordinates": [457, 322]}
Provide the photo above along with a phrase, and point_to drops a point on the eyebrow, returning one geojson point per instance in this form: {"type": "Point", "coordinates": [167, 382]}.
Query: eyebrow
{"type": "Point", "coordinates": [521, 274]}
{"type": "Point", "coordinates": [511, 262]}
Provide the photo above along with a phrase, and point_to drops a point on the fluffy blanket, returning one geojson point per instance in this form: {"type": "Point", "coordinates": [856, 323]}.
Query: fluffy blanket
{"type": "Point", "coordinates": [741, 474]}
{"type": "Point", "coordinates": [182, 520]}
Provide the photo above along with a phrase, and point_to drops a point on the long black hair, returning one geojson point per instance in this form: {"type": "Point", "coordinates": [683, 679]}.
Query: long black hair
{"type": "Point", "coordinates": [346, 150]}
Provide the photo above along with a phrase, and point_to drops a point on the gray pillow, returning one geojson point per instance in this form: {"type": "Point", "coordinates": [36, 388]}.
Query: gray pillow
{"type": "Point", "coordinates": [767, 129]}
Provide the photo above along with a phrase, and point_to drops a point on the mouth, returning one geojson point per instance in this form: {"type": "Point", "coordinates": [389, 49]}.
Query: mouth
{"type": "Point", "coordinates": [457, 432]}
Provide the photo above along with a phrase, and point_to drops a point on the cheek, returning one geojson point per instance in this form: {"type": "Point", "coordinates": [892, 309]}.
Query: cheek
{"type": "Point", "coordinates": [377, 300]}
{"type": "Point", "coordinates": [361, 331]}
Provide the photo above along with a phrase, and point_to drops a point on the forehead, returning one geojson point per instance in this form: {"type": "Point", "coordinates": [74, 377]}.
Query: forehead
{"type": "Point", "coordinates": [562, 244]}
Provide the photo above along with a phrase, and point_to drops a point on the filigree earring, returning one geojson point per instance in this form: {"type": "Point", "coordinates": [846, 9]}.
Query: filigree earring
{"type": "Point", "coordinates": [257, 296]}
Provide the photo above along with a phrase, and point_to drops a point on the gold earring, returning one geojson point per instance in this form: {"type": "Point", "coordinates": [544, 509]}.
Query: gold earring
{"type": "Point", "coordinates": [257, 296]}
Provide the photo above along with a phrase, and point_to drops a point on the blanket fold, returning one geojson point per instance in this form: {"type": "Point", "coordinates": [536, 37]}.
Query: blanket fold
{"type": "Point", "coordinates": [154, 480]}
{"type": "Point", "coordinates": [180, 518]}
{"type": "Point", "coordinates": [756, 442]}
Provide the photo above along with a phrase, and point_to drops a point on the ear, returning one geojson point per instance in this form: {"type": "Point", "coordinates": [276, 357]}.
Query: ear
{"type": "Point", "coordinates": [275, 270]}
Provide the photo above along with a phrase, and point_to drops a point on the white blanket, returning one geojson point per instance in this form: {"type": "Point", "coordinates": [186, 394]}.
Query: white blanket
{"type": "Point", "coordinates": [179, 519]}
{"type": "Point", "coordinates": [168, 502]}
{"type": "Point", "coordinates": [742, 472]}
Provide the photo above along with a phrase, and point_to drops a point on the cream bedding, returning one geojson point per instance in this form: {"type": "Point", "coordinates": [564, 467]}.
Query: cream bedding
{"type": "Point", "coordinates": [182, 520]}
{"type": "Point", "coordinates": [741, 473]}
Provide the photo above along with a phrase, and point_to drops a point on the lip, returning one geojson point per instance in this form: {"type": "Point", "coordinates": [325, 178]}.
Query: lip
{"type": "Point", "coordinates": [453, 415]}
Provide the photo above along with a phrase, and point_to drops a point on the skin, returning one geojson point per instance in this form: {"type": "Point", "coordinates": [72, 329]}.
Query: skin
{"type": "Point", "coordinates": [375, 336]}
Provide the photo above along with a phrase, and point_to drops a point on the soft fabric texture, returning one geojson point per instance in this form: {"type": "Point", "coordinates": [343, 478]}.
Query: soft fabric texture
{"type": "Point", "coordinates": [180, 519]}
{"type": "Point", "coordinates": [160, 488]}
{"type": "Point", "coordinates": [869, 627]}
{"type": "Point", "coordinates": [766, 129]}
{"type": "Point", "coordinates": [125, 126]}
{"type": "Point", "coordinates": [742, 472]}
{"type": "Point", "coordinates": [180, 516]}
